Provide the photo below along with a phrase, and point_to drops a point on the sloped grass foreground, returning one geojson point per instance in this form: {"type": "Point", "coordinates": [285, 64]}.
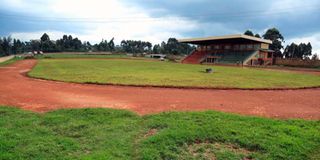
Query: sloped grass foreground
{"type": "Point", "coordinates": [118, 134]}
{"type": "Point", "coordinates": [10, 61]}
{"type": "Point", "coordinates": [155, 73]}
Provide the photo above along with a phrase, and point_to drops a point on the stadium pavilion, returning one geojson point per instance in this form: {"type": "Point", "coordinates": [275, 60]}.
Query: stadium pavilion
{"type": "Point", "coordinates": [231, 50]}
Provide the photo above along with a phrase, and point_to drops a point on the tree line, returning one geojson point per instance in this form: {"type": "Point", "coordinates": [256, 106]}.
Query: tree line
{"type": "Point", "coordinates": [68, 43]}
{"type": "Point", "coordinates": [301, 51]}
{"type": "Point", "coordinates": [172, 47]}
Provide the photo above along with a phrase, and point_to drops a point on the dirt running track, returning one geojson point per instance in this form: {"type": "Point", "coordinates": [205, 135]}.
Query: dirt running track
{"type": "Point", "coordinates": [42, 96]}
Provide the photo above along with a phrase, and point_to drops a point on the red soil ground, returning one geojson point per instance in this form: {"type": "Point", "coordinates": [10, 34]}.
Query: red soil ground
{"type": "Point", "coordinates": [41, 96]}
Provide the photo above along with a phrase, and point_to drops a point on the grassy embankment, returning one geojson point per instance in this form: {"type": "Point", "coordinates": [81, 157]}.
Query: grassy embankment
{"type": "Point", "coordinates": [10, 61]}
{"type": "Point", "coordinates": [155, 73]}
{"type": "Point", "coordinates": [118, 134]}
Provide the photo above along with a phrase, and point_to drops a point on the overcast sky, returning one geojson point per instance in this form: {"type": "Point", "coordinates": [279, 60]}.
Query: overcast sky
{"type": "Point", "coordinates": [157, 20]}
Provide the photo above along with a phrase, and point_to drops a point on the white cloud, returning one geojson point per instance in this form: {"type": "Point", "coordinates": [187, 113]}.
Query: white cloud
{"type": "Point", "coordinates": [115, 19]}
{"type": "Point", "coordinates": [35, 7]}
{"type": "Point", "coordinates": [293, 7]}
{"type": "Point", "coordinates": [217, 29]}
{"type": "Point", "coordinates": [26, 36]}
{"type": "Point", "coordinates": [123, 21]}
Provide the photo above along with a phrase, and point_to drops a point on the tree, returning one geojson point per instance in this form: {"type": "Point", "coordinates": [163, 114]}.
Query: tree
{"type": "Point", "coordinates": [173, 47]}
{"type": "Point", "coordinates": [68, 43]}
{"type": "Point", "coordinates": [45, 37]}
{"type": "Point", "coordinates": [103, 46]}
{"type": "Point", "coordinates": [86, 46]}
{"type": "Point", "coordinates": [257, 35]}
{"type": "Point", "coordinates": [315, 57]}
{"type": "Point", "coordinates": [291, 51]}
{"type": "Point", "coordinates": [133, 46]}
{"type": "Point", "coordinates": [275, 36]}
{"type": "Point", "coordinates": [6, 45]}
{"type": "Point", "coordinates": [248, 33]}
{"type": "Point", "coordinates": [17, 47]}
{"type": "Point", "coordinates": [76, 44]}
{"type": "Point", "coordinates": [301, 51]}
{"type": "Point", "coordinates": [14, 46]}
{"type": "Point", "coordinates": [307, 50]}
{"type": "Point", "coordinates": [124, 45]}
{"type": "Point", "coordinates": [148, 46]}
{"type": "Point", "coordinates": [21, 46]}
{"type": "Point", "coordinates": [111, 45]}
{"type": "Point", "coordinates": [163, 47]}
{"type": "Point", "coordinates": [35, 45]}
{"type": "Point", "coordinates": [156, 49]}
{"type": "Point", "coordinates": [45, 44]}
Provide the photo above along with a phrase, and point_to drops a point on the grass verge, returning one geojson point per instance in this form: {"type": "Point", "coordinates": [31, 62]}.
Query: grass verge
{"type": "Point", "coordinates": [79, 55]}
{"type": "Point", "coordinates": [118, 134]}
{"type": "Point", "coordinates": [10, 61]}
{"type": "Point", "coordinates": [155, 73]}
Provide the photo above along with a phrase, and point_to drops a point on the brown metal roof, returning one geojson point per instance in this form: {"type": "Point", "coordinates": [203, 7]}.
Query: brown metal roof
{"type": "Point", "coordinates": [224, 38]}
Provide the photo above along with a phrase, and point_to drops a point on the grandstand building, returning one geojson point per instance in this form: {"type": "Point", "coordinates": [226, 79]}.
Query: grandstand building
{"type": "Point", "coordinates": [231, 50]}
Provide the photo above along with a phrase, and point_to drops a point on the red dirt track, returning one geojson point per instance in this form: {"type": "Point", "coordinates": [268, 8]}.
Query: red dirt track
{"type": "Point", "coordinates": [41, 96]}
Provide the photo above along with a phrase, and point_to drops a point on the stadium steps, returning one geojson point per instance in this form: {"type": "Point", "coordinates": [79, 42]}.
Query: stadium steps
{"type": "Point", "coordinates": [247, 59]}
{"type": "Point", "coordinates": [194, 57]}
{"type": "Point", "coordinates": [226, 58]}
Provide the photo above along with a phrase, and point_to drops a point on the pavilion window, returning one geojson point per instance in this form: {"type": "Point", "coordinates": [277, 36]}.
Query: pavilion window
{"type": "Point", "coordinates": [256, 46]}
{"type": "Point", "coordinates": [236, 47]}
{"type": "Point", "coordinates": [216, 47]}
{"type": "Point", "coordinates": [249, 46]}
{"type": "Point", "coordinates": [227, 47]}
{"type": "Point", "coordinates": [242, 47]}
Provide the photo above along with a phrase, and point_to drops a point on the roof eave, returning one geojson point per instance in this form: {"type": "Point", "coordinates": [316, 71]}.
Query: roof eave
{"type": "Point", "coordinates": [194, 40]}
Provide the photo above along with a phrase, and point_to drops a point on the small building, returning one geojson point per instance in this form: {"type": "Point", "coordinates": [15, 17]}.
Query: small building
{"type": "Point", "coordinates": [230, 50]}
{"type": "Point", "coordinates": [158, 56]}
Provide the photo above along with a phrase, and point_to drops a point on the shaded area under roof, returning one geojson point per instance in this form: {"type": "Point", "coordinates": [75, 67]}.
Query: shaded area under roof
{"type": "Point", "coordinates": [238, 38]}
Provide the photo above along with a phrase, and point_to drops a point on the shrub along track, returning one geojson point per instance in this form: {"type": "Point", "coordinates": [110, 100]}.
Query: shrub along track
{"type": "Point", "coordinates": [42, 96]}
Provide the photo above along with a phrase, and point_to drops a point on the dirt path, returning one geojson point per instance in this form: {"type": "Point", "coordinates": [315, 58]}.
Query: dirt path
{"type": "Point", "coordinates": [42, 96]}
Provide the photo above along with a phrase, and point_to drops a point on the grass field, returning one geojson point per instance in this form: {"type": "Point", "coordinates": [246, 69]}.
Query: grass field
{"type": "Point", "coordinates": [79, 55]}
{"type": "Point", "coordinates": [156, 73]}
{"type": "Point", "coordinates": [118, 134]}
